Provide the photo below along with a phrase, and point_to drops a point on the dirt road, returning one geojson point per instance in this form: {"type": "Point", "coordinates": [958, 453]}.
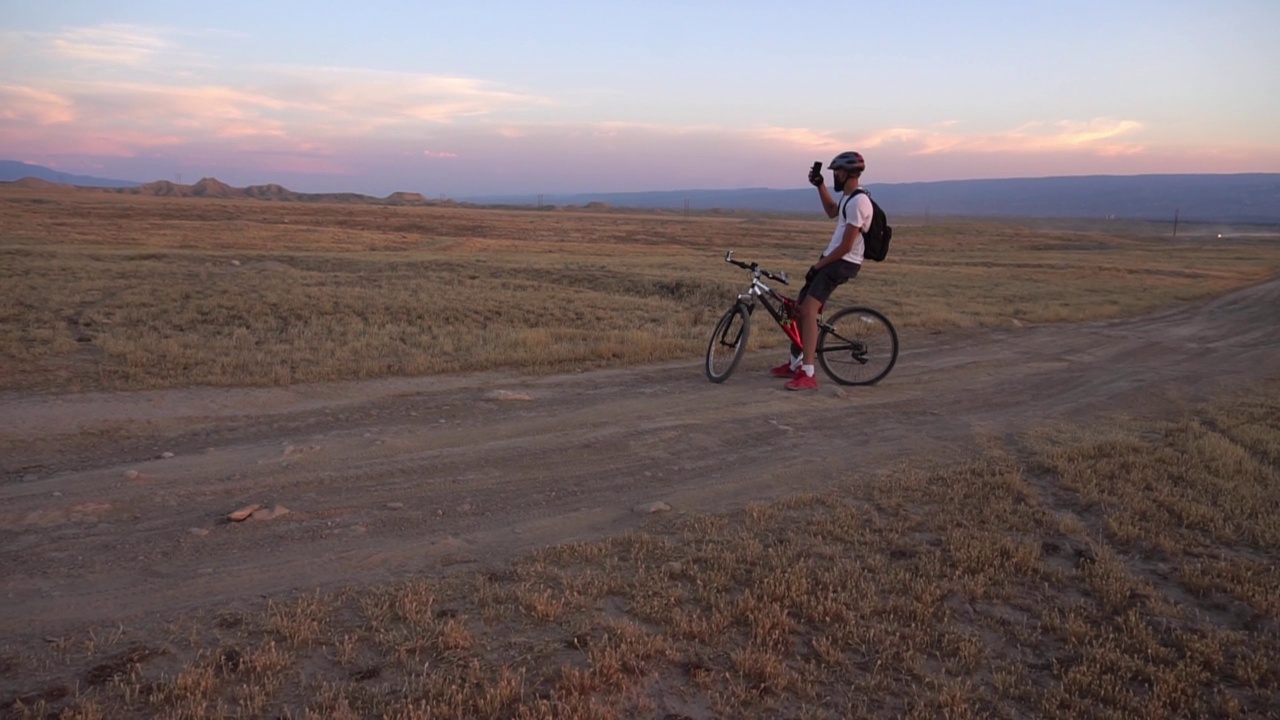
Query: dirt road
{"type": "Point", "coordinates": [389, 477]}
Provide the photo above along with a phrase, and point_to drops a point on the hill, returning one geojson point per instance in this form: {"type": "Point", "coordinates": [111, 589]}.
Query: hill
{"type": "Point", "coordinates": [14, 170]}
{"type": "Point", "coordinates": [214, 188]}
{"type": "Point", "coordinates": [1239, 198]}
{"type": "Point", "coordinates": [1249, 198]}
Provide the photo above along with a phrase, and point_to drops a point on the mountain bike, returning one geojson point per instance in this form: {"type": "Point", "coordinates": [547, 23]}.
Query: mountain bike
{"type": "Point", "coordinates": [856, 346]}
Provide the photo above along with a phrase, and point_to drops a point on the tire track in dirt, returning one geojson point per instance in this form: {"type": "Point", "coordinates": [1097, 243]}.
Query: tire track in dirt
{"type": "Point", "coordinates": [385, 478]}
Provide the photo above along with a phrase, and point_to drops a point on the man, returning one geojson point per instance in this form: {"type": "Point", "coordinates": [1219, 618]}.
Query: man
{"type": "Point", "coordinates": [838, 264]}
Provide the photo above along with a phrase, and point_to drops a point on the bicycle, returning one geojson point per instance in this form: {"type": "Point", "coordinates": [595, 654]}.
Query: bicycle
{"type": "Point", "coordinates": [857, 346]}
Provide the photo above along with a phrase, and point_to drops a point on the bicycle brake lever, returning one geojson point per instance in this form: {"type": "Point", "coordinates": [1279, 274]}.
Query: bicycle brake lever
{"type": "Point", "coordinates": [728, 257]}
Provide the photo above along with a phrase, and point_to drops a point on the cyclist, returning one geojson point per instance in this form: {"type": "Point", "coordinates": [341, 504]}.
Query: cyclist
{"type": "Point", "coordinates": [838, 264]}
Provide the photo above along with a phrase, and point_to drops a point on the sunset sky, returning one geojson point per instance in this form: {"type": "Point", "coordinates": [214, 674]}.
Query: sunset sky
{"type": "Point", "coordinates": [485, 97]}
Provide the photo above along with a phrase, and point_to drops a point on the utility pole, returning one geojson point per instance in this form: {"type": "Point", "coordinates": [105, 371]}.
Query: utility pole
{"type": "Point", "coordinates": [1175, 223]}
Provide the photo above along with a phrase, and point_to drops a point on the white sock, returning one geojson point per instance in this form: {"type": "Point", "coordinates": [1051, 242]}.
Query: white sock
{"type": "Point", "coordinates": [808, 370]}
{"type": "Point", "coordinates": [795, 363]}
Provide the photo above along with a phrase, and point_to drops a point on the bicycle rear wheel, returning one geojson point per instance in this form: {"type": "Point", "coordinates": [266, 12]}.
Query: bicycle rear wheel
{"type": "Point", "coordinates": [857, 346]}
{"type": "Point", "coordinates": [728, 343]}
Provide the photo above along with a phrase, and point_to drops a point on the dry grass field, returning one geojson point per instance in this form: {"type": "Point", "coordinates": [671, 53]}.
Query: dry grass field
{"type": "Point", "coordinates": [104, 292]}
{"type": "Point", "coordinates": [1104, 565]}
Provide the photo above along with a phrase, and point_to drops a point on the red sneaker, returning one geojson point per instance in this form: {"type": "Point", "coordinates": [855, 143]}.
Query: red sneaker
{"type": "Point", "coordinates": [784, 371]}
{"type": "Point", "coordinates": [802, 382]}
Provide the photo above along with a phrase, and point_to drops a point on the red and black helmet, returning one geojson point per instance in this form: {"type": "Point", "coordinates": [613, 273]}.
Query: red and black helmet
{"type": "Point", "coordinates": [851, 162]}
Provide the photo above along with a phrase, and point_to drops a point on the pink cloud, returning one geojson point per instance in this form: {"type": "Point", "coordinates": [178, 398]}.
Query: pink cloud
{"type": "Point", "coordinates": [1103, 137]}
{"type": "Point", "coordinates": [113, 44]}
{"type": "Point", "coordinates": [175, 97]}
{"type": "Point", "coordinates": [61, 140]}
{"type": "Point", "coordinates": [34, 106]}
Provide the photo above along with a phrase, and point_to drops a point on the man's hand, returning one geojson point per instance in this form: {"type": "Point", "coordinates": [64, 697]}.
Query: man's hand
{"type": "Point", "coordinates": [808, 277]}
{"type": "Point", "coordinates": [815, 175]}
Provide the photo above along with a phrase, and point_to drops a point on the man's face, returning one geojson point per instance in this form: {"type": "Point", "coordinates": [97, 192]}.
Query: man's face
{"type": "Point", "coordinates": [840, 176]}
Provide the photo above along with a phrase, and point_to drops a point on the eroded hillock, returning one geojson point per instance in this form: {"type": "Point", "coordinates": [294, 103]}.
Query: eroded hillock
{"type": "Point", "coordinates": [211, 187]}
{"type": "Point", "coordinates": [36, 183]}
{"type": "Point", "coordinates": [406, 198]}
{"type": "Point", "coordinates": [270, 191]}
{"type": "Point", "coordinates": [214, 188]}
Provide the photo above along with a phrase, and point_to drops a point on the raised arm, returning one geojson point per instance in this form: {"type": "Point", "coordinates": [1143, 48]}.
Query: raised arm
{"type": "Point", "coordinates": [829, 204]}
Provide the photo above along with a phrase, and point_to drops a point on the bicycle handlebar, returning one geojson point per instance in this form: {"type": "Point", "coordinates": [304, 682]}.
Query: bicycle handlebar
{"type": "Point", "coordinates": [755, 268]}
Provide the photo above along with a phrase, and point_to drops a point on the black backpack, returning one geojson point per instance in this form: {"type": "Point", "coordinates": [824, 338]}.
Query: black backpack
{"type": "Point", "coordinates": [875, 239]}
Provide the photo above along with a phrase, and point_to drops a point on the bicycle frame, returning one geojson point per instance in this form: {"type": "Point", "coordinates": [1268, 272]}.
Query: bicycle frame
{"type": "Point", "coordinates": [783, 312]}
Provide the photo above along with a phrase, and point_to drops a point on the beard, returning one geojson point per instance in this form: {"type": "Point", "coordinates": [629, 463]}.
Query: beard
{"type": "Point", "coordinates": [839, 184]}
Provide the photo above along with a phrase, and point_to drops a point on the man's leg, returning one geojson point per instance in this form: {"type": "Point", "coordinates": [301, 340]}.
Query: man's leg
{"type": "Point", "coordinates": [823, 284]}
{"type": "Point", "coordinates": [809, 310]}
{"type": "Point", "coordinates": [789, 368]}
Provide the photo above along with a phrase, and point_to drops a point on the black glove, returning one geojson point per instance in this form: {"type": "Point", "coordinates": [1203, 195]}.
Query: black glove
{"type": "Point", "coordinates": [808, 277]}
{"type": "Point", "coordinates": [815, 175]}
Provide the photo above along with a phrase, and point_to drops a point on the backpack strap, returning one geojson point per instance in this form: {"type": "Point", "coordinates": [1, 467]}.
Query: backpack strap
{"type": "Point", "coordinates": [845, 207]}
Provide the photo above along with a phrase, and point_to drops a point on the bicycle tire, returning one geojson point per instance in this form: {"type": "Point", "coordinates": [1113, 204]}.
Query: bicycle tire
{"type": "Point", "coordinates": [857, 346]}
{"type": "Point", "coordinates": [728, 343]}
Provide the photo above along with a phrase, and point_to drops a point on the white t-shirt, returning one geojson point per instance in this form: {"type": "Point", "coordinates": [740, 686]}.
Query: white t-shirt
{"type": "Point", "coordinates": [858, 210]}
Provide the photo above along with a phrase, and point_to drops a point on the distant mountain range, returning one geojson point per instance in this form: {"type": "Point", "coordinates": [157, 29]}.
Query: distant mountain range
{"type": "Point", "coordinates": [14, 170]}
{"type": "Point", "coordinates": [1242, 198]}
{"type": "Point", "coordinates": [1245, 198]}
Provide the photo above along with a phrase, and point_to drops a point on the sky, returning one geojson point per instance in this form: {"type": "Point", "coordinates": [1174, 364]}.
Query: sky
{"type": "Point", "coordinates": [458, 99]}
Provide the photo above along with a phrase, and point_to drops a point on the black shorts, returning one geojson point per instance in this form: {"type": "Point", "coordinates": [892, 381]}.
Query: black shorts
{"type": "Point", "coordinates": [827, 279]}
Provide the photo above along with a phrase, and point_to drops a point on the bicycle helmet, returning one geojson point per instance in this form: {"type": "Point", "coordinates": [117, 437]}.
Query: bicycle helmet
{"type": "Point", "coordinates": [851, 162]}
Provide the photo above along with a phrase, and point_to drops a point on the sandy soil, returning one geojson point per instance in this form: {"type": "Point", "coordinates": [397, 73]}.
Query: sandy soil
{"type": "Point", "coordinates": [98, 525]}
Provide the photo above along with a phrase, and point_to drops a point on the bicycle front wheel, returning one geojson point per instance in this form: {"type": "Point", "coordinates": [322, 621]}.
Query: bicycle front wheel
{"type": "Point", "coordinates": [857, 346]}
{"type": "Point", "coordinates": [728, 343]}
